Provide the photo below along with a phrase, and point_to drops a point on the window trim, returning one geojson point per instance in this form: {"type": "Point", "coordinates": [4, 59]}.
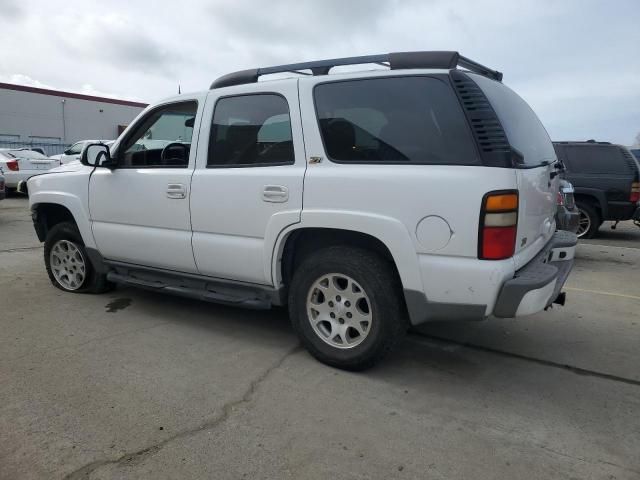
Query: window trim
{"type": "Point", "coordinates": [121, 144]}
{"type": "Point", "coordinates": [250, 165]}
{"type": "Point", "coordinates": [441, 77]}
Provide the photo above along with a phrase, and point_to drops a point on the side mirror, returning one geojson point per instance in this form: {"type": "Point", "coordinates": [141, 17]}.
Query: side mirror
{"type": "Point", "coordinates": [97, 155]}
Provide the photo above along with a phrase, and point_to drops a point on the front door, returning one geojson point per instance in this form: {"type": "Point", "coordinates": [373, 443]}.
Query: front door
{"type": "Point", "coordinates": [140, 209]}
{"type": "Point", "coordinates": [247, 186]}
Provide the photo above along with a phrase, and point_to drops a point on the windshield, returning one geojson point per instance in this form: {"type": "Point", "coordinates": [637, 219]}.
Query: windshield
{"type": "Point", "coordinates": [524, 129]}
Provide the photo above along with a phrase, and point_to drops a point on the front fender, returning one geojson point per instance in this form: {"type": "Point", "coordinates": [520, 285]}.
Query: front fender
{"type": "Point", "coordinates": [42, 190]}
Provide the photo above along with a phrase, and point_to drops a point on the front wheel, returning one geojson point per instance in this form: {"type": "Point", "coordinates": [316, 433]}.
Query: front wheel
{"type": "Point", "coordinates": [68, 264]}
{"type": "Point", "coordinates": [345, 304]}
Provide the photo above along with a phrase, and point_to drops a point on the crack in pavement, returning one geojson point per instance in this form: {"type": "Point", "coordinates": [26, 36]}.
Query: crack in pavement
{"type": "Point", "coordinates": [596, 461]}
{"type": "Point", "coordinates": [539, 361]}
{"type": "Point", "coordinates": [20, 249]}
{"type": "Point", "coordinates": [227, 409]}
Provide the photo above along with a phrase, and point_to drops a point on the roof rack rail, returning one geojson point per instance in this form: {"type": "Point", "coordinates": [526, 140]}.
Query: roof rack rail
{"type": "Point", "coordinates": [395, 61]}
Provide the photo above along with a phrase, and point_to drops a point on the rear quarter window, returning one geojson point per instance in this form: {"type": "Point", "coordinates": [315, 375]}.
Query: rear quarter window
{"type": "Point", "coordinates": [403, 120]}
{"type": "Point", "coordinates": [597, 159]}
{"type": "Point", "coordinates": [522, 126]}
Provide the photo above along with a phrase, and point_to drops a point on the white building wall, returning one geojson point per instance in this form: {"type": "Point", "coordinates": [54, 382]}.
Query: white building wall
{"type": "Point", "coordinates": [35, 116]}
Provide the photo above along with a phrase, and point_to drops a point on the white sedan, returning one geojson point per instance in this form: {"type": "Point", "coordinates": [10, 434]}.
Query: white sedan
{"type": "Point", "coordinates": [20, 164]}
{"type": "Point", "coordinates": [75, 151]}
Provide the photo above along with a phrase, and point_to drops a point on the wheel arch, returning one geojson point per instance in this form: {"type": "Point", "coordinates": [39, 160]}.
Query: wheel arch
{"type": "Point", "coordinates": [385, 236]}
{"type": "Point", "coordinates": [50, 208]}
{"type": "Point", "coordinates": [595, 197]}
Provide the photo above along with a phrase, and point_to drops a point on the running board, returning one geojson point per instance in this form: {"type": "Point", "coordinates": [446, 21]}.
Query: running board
{"type": "Point", "coordinates": [196, 287]}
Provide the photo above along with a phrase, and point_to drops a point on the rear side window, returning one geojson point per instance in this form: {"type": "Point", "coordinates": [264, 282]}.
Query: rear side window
{"type": "Point", "coordinates": [522, 126]}
{"type": "Point", "coordinates": [412, 120]}
{"type": "Point", "coordinates": [596, 159]}
{"type": "Point", "coordinates": [251, 130]}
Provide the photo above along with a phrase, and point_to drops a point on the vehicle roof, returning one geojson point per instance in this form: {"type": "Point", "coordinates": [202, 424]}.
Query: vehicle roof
{"type": "Point", "coordinates": [585, 143]}
{"type": "Point", "coordinates": [265, 84]}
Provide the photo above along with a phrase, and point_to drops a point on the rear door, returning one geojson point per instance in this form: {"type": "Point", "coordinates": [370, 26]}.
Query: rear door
{"type": "Point", "coordinates": [247, 186]}
{"type": "Point", "coordinates": [536, 175]}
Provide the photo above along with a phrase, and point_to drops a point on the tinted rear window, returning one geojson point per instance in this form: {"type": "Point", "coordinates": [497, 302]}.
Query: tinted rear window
{"type": "Point", "coordinates": [412, 120]}
{"type": "Point", "coordinates": [596, 159]}
{"type": "Point", "coordinates": [522, 126]}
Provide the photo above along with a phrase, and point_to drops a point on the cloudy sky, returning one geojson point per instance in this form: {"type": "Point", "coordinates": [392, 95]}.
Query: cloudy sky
{"type": "Point", "coordinates": [576, 62]}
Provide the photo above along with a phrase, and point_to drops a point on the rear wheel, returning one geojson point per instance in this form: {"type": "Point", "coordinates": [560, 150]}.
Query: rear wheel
{"type": "Point", "coordinates": [589, 222]}
{"type": "Point", "coordinates": [345, 304]}
{"type": "Point", "coordinates": [68, 264]}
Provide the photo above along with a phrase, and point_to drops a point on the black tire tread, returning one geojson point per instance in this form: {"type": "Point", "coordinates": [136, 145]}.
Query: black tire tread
{"type": "Point", "coordinates": [95, 282]}
{"type": "Point", "coordinates": [596, 220]}
{"type": "Point", "coordinates": [374, 270]}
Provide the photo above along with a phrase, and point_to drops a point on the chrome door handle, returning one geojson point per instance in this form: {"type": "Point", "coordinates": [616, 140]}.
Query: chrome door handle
{"type": "Point", "coordinates": [176, 191]}
{"type": "Point", "coordinates": [275, 193]}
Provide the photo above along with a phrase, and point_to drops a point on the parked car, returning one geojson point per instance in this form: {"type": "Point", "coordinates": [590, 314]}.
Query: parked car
{"type": "Point", "coordinates": [3, 191]}
{"type": "Point", "coordinates": [606, 180]}
{"type": "Point", "coordinates": [567, 215]}
{"type": "Point", "coordinates": [74, 151]}
{"type": "Point", "coordinates": [410, 212]}
{"type": "Point", "coordinates": [21, 164]}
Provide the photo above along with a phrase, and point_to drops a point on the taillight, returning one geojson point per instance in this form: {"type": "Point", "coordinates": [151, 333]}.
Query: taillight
{"type": "Point", "coordinates": [13, 165]}
{"type": "Point", "coordinates": [560, 199]}
{"type": "Point", "coordinates": [635, 192]}
{"type": "Point", "coordinates": [498, 225]}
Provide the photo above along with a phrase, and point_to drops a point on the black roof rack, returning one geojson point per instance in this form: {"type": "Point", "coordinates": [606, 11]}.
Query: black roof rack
{"type": "Point", "coordinates": [395, 61]}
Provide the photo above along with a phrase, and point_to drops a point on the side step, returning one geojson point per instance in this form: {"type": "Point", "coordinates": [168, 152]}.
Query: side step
{"type": "Point", "coordinates": [196, 287]}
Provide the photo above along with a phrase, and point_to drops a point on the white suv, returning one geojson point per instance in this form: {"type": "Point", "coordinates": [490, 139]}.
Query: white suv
{"type": "Point", "coordinates": [366, 202]}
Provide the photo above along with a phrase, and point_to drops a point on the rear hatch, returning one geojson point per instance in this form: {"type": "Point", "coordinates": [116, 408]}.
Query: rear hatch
{"type": "Point", "coordinates": [536, 173]}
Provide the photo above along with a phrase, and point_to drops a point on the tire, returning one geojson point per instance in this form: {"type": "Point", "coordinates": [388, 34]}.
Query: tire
{"type": "Point", "coordinates": [375, 294]}
{"type": "Point", "coordinates": [589, 222]}
{"type": "Point", "coordinates": [65, 240]}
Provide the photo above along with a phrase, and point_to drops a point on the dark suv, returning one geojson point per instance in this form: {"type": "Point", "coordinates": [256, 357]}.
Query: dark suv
{"type": "Point", "coordinates": [605, 179]}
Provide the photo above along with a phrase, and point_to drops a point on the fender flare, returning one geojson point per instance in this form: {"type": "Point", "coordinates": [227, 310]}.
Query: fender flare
{"type": "Point", "coordinates": [70, 202]}
{"type": "Point", "coordinates": [596, 194]}
{"type": "Point", "coordinates": [391, 232]}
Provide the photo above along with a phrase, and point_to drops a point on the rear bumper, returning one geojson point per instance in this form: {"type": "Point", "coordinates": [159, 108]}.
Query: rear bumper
{"type": "Point", "coordinates": [12, 179]}
{"type": "Point", "coordinates": [536, 285]}
{"type": "Point", "coordinates": [567, 219]}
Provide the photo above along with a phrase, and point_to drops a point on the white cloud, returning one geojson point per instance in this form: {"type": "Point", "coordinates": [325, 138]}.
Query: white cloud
{"type": "Point", "coordinates": [575, 61]}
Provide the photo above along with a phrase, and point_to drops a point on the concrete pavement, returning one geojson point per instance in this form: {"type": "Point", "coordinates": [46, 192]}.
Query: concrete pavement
{"type": "Point", "coordinates": [134, 384]}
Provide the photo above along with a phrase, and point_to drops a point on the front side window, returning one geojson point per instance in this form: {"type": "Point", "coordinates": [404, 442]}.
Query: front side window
{"type": "Point", "coordinates": [162, 138]}
{"type": "Point", "coordinates": [405, 120]}
{"type": "Point", "coordinates": [251, 130]}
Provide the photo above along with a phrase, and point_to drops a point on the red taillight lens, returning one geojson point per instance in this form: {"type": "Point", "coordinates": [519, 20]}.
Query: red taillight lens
{"type": "Point", "coordinates": [560, 199]}
{"type": "Point", "coordinates": [498, 225]}
{"type": "Point", "coordinates": [635, 192]}
{"type": "Point", "coordinates": [498, 242]}
{"type": "Point", "coordinates": [13, 165]}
